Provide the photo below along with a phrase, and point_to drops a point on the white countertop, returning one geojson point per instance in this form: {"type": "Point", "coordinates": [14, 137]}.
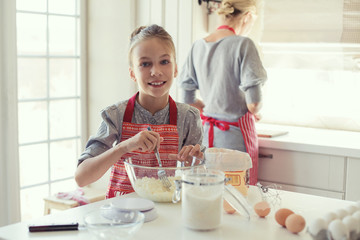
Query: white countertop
{"type": "Point", "coordinates": [314, 140]}
{"type": "Point", "coordinates": [168, 224]}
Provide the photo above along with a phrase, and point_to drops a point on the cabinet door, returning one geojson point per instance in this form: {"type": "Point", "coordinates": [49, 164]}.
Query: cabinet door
{"type": "Point", "coordinates": [323, 172]}
{"type": "Point", "coordinates": [312, 191]}
{"type": "Point", "coordinates": [353, 179]}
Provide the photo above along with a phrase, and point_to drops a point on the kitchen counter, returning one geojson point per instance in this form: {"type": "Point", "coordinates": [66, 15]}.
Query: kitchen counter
{"type": "Point", "coordinates": [313, 140]}
{"type": "Point", "coordinates": [168, 224]}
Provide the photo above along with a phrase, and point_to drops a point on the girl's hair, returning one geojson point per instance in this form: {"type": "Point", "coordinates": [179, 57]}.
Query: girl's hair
{"type": "Point", "coordinates": [232, 8]}
{"type": "Point", "coordinates": [148, 32]}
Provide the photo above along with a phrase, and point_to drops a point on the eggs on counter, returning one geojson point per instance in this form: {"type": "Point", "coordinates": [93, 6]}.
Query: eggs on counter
{"type": "Point", "coordinates": [339, 225]}
{"type": "Point", "coordinates": [295, 223]}
{"type": "Point", "coordinates": [262, 208]}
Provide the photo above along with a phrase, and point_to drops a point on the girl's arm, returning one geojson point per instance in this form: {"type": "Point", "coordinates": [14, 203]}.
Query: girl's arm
{"type": "Point", "coordinates": [94, 168]}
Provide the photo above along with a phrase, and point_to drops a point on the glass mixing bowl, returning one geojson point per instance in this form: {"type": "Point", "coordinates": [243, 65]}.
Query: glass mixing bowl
{"type": "Point", "coordinates": [113, 223]}
{"type": "Point", "coordinates": [146, 183]}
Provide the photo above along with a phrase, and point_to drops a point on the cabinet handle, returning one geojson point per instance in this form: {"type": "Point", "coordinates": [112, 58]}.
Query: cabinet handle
{"type": "Point", "coordinates": [265, 156]}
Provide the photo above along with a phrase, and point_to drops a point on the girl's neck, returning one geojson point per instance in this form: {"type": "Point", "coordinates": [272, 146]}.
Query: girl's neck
{"type": "Point", "coordinates": [151, 103]}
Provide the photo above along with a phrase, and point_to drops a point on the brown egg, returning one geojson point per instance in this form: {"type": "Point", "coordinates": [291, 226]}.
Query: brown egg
{"type": "Point", "coordinates": [228, 208]}
{"type": "Point", "coordinates": [281, 215]}
{"type": "Point", "coordinates": [262, 208]}
{"type": "Point", "coordinates": [295, 223]}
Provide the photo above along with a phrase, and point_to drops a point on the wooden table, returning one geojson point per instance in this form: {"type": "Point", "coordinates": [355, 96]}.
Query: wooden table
{"type": "Point", "coordinates": [169, 222]}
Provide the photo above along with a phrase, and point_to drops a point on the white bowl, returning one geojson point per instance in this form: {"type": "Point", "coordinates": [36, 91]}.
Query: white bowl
{"type": "Point", "coordinates": [147, 185]}
{"type": "Point", "coordinates": [113, 224]}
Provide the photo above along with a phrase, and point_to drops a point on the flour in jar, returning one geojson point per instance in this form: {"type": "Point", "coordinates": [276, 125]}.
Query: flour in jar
{"type": "Point", "coordinates": [202, 207]}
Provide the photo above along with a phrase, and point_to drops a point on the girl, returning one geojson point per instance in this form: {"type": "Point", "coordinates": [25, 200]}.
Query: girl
{"type": "Point", "coordinates": [176, 127]}
{"type": "Point", "coordinates": [226, 68]}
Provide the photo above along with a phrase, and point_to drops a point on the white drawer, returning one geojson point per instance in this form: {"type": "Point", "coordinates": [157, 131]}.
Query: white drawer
{"type": "Point", "coordinates": [312, 191]}
{"type": "Point", "coordinates": [302, 169]}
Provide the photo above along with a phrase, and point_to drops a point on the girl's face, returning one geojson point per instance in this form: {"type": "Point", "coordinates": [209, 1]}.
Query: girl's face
{"type": "Point", "coordinates": [154, 68]}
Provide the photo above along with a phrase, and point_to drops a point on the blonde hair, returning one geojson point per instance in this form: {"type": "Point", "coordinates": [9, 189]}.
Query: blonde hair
{"type": "Point", "coordinates": [148, 32]}
{"type": "Point", "coordinates": [232, 8]}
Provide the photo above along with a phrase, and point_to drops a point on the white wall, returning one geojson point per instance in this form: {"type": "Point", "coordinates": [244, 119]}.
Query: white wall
{"type": "Point", "coordinates": [109, 25]}
{"type": "Point", "coordinates": [9, 158]}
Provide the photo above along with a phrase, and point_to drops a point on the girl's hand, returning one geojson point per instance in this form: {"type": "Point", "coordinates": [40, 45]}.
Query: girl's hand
{"type": "Point", "coordinates": [144, 141]}
{"type": "Point", "coordinates": [187, 153]}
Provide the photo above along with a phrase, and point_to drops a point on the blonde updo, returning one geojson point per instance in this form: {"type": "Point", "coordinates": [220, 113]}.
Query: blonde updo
{"type": "Point", "coordinates": [232, 8]}
{"type": "Point", "coordinates": [148, 32]}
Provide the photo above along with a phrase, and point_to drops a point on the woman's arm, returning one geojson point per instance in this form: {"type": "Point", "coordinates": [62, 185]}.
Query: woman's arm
{"type": "Point", "coordinates": [254, 108]}
{"type": "Point", "coordinates": [198, 104]}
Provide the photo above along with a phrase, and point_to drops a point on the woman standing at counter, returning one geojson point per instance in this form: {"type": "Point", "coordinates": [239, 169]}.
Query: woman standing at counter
{"type": "Point", "coordinates": [225, 66]}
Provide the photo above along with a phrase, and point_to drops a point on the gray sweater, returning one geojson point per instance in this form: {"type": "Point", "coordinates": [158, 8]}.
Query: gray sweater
{"type": "Point", "coordinates": [228, 73]}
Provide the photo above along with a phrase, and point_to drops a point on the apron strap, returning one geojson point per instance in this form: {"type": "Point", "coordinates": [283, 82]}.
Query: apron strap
{"type": "Point", "coordinates": [130, 110]}
{"type": "Point", "coordinates": [172, 112]}
{"type": "Point", "coordinates": [222, 125]}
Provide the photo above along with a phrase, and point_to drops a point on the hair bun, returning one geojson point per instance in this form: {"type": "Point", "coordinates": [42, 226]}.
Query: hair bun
{"type": "Point", "coordinates": [226, 8]}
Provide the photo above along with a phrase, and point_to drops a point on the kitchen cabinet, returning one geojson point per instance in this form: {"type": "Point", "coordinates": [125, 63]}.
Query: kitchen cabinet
{"type": "Point", "coordinates": [318, 174]}
{"type": "Point", "coordinates": [352, 190]}
{"type": "Point", "coordinates": [314, 161]}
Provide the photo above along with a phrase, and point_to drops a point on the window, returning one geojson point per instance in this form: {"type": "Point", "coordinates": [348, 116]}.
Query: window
{"type": "Point", "coordinates": [49, 110]}
{"type": "Point", "coordinates": [312, 85]}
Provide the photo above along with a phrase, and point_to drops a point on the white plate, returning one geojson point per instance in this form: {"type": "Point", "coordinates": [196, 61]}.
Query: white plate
{"type": "Point", "coordinates": [140, 204]}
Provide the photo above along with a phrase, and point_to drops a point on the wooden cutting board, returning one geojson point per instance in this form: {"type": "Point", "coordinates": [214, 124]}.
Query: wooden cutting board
{"type": "Point", "coordinates": [265, 133]}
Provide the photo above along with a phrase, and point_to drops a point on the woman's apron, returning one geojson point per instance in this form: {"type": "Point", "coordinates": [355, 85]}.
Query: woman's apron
{"type": "Point", "coordinates": [247, 126]}
{"type": "Point", "coordinates": [119, 180]}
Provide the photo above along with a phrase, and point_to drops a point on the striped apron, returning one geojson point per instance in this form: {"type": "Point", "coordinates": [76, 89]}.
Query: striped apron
{"type": "Point", "coordinates": [247, 126]}
{"type": "Point", "coordinates": [119, 180]}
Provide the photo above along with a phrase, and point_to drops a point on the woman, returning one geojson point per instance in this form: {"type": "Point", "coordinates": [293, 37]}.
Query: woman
{"type": "Point", "coordinates": [225, 66]}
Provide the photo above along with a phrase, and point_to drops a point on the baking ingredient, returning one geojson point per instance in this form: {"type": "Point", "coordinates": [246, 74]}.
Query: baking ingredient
{"type": "Point", "coordinates": [152, 188]}
{"type": "Point", "coordinates": [338, 230]}
{"type": "Point", "coordinates": [352, 224]}
{"type": "Point", "coordinates": [202, 207]}
{"type": "Point", "coordinates": [341, 213]}
{"type": "Point", "coordinates": [330, 216]}
{"type": "Point", "coordinates": [357, 215]}
{"type": "Point", "coordinates": [316, 226]}
{"type": "Point", "coordinates": [358, 204]}
{"type": "Point", "coordinates": [295, 223]}
{"type": "Point", "coordinates": [351, 209]}
{"type": "Point", "coordinates": [262, 208]}
{"type": "Point", "coordinates": [281, 215]}
{"type": "Point", "coordinates": [228, 208]}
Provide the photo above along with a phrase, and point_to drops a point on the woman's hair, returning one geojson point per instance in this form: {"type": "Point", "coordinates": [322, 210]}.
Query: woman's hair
{"type": "Point", "coordinates": [148, 32]}
{"type": "Point", "coordinates": [232, 8]}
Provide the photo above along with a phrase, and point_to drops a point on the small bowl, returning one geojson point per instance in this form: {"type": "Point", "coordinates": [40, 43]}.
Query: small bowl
{"type": "Point", "coordinates": [113, 224]}
{"type": "Point", "coordinates": [146, 183]}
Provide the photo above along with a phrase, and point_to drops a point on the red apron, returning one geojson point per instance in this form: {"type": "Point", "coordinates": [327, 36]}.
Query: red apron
{"type": "Point", "coordinates": [247, 126]}
{"type": "Point", "coordinates": [119, 180]}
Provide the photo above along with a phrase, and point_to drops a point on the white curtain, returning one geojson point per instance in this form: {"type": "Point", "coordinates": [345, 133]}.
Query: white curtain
{"type": "Point", "coordinates": [319, 21]}
{"type": "Point", "coordinates": [9, 160]}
